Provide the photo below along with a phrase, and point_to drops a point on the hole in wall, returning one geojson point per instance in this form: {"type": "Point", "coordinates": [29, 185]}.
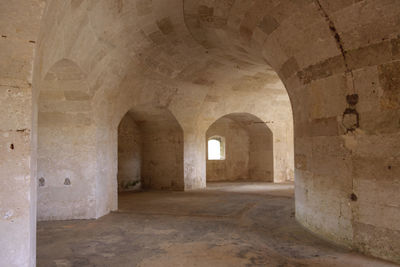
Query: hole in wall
{"type": "Point", "coordinates": [67, 181]}
{"type": "Point", "coordinates": [351, 117]}
{"type": "Point", "coordinates": [352, 99]}
{"type": "Point", "coordinates": [353, 197]}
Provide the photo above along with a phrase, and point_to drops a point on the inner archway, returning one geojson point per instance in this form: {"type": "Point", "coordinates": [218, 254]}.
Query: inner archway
{"type": "Point", "coordinates": [150, 150]}
{"type": "Point", "coordinates": [245, 144]}
{"type": "Point", "coordinates": [129, 155]}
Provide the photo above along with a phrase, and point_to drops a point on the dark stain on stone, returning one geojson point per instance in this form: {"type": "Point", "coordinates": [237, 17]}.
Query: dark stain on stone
{"type": "Point", "coordinates": [389, 77]}
{"type": "Point", "coordinates": [76, 3]}
{"type": "Point", "coordinates": [395, 43]}
{"type": "Point", "coordinates": [174, 184]}
{"type": "Point", "coordinates": [353, 197]}
{"type": "Point", "coordinates": [120, 5]}
{"type": "Point", "coordinates": [32, 42]}
{"type": "Point", "coordinates": [212, 98]}
{"type": "Point", "coordinates": [4, 36]}
{"type": "Point", "coordinates": [67, 181]}
{"type": "Point", "coordinates": [371, 55]}
{"type": "Point", "coordinates": [289, 68]}
{"type": "Point", "coordinates": [321, 70]}
{"type": "Point", "coordinates": [301, 162]}
{"type": "Point", "coordinates": [352, 100]}
{"type": "Point", "coordinates": [246, 33]}
{"type": "Point", "coordinates": [337, 38]}
{"type": "Point", "coordinates": [203, 81]}
{"type": "Point", "coordinates": [262, 122]}
{"type": "Point", "coordinates": [334, 32]}
{"type": "Point", "coordinates": [219, 22]}
{"type": "Point", "coordinates": [205, 13]}
{"type": "Point", "coordinates": [389, 167]}
{"type": "Point", "coordinates": [42, 182]}
{"type": "Point", "coordinates": [351, 119]}
{"type": "Point", "coordinates": [324, 127]}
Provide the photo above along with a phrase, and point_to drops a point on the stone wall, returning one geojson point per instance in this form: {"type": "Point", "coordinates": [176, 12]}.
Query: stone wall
{"type": "Point", "coordinates": [235, 165]}
{"type": "Point", "coordinates": [150, 150]}
{"type": "Point", "coordinates": [162, 149]}
{"type": "Point", "coordinates": [262, 162]}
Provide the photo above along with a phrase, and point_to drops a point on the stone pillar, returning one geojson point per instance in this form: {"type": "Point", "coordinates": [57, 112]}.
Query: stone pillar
{"type": "Point", "coordinates": [194, 160]}
{"type": "Point", "coordinates": [19, 28]}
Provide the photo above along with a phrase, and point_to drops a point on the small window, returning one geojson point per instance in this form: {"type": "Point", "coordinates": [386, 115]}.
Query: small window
{"type": "Point", "coordinates": [216, 148]}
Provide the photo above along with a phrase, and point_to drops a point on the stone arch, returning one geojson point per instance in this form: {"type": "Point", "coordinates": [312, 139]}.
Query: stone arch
{"type": "Point", "coordinates": [249, 154]}
{"type": "Point", "coordinates": [336, 76]}
{"type": "Point", "coordinates": [160, 144]}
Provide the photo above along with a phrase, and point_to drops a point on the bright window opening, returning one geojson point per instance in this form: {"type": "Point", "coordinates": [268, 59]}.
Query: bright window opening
{"type": "Point", "coordinates": [216, 148]}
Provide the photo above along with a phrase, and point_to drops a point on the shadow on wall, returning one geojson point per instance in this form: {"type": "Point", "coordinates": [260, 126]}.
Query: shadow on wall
{"type": "Point", "coordinates": [246, 149]}
{"type": "Point", "coordinates": [150, 150]}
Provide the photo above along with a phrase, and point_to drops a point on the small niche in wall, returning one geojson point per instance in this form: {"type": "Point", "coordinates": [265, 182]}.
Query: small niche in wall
{"type": "Point", "coordinates": [42, 182]}
{"type": "Point", "coordinates": [67, 181]}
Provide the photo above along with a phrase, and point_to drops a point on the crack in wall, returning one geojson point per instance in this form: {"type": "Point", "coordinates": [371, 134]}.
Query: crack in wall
{"type": "Point", "coordinates": [338, 40]}
{"type": "Point", "coordinates": [334, 32]}
{"type": "Point", "coordinates": [351, 117]}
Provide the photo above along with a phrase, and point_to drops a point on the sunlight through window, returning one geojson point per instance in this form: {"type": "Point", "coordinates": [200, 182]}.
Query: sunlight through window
{"type": "Point", "coordinates": [216, 149]}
